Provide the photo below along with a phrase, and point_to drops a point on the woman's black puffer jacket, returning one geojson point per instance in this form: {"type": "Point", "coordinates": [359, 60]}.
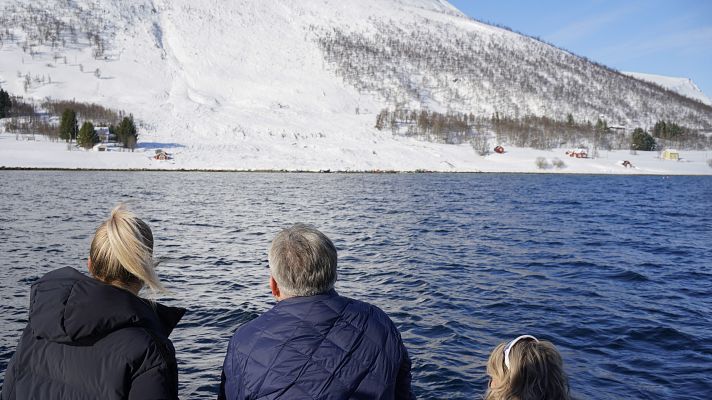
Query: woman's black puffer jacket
{"type": "Point", "coordinates": [89, 340]}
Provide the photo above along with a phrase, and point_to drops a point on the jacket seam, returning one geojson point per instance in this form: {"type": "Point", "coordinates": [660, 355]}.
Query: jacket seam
{"type": "Point", "coordinates": [14, 384]}
{"type": "Point", "coordinates": [165, 353]}
{"type": "Point", "coordinates": [64, 309]}
{"type": "Point", "coordinates": [159, 365]}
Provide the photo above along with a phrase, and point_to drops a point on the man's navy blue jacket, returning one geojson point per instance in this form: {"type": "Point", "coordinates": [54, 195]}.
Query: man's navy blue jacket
{"type": "Point", "coordinates": [87, 340]}
{"type": "Point", "coordinates": [317, 347]}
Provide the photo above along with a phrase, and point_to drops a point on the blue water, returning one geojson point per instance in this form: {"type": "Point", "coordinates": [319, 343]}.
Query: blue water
{"type": "Point", "coordinates": [614, 270]}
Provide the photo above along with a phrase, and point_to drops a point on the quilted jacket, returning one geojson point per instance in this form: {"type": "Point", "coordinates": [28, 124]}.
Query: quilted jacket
{"type": "Point", "coordinates": [87, 340]}
{"type": "Point", "coordinates": [317, 347]}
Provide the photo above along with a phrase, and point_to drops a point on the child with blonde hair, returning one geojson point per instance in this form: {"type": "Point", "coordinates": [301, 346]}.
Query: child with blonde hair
{"type": "Point", "coordinates": [526, 369]}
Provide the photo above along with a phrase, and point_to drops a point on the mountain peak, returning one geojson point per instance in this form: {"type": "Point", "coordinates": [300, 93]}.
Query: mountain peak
{"type": "Point", "coordinates": [681, 85]}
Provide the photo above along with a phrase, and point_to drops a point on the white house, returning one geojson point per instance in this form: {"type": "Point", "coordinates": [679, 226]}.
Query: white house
{"type": "Point", "coordinates": [103, 133]}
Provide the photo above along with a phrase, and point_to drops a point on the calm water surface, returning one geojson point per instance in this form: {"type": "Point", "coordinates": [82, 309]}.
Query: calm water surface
{"type": "Point", "coordinates": [614, 270]}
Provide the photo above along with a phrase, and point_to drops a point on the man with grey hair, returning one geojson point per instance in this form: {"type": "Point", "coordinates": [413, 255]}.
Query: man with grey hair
{"type": "Point", "coordinates": [314, 343]}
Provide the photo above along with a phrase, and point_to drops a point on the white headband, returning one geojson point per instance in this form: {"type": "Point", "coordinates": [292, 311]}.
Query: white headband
{"type": "Point", "coordinates": [511, 344]}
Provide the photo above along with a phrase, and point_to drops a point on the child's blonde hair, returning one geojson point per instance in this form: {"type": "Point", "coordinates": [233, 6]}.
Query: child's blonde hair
{"type": "Point", "coordinates": [535, 372]}
{"type": "Point", "coordinates": [121, 252]}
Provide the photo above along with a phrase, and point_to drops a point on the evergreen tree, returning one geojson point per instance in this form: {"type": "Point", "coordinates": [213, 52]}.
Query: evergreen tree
{"type": "Point", "coordinates": [87, 137]}
{"type": "Point", "coordinates": [5, 104]}
{"type": "Point", "coordinates": [675, 130]}
{"type": "Point", "coordinates": [68, 125]}
{"type": "Point", "coordinates": [660, 129]}
{"type": "Point", "coordinates": [667, 130]}
{"type": "Point", "coordinates": [127, 132]}
{"type": "Point", "coordinates": [381, 119]}
{"type": "Point", "coordinates": [601, 126]}
{"type": "Point", "coordinates": [114, 131]}
{"type": "Point", "coordinates": [570, 120]}
{"type": "Point", "coordinates": [642, 140]}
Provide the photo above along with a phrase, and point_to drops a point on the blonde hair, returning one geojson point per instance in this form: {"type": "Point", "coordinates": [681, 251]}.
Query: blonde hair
{"type": "Point", "coordinates": [536, 372]}
{"type": "Point", "coordinates": [121, 252]}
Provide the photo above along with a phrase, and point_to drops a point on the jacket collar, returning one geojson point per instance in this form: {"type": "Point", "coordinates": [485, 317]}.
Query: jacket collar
{"type": "Point", "coordinates": [308, 299]}
{"type": "Point", "coordinates": [169, 317]}
{"type": "Point", "coordinates": [67, 306]}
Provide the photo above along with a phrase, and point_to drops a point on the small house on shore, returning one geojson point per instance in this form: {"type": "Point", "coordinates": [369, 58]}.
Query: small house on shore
{"type": "Point", "coordinates": [104, 134]}
{"type": "Point", "coordinates": [671, 154]}
{"type": "Point", "coordinates": [578, 153]}
{"type": "Point", "coordinates": [161, 155]}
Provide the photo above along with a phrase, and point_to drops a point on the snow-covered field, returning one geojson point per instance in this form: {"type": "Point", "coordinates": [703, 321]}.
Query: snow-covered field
{"type": "Point", "coordinates": [41, 153]}
{"type": "Point", "coordinates": [243, 86]}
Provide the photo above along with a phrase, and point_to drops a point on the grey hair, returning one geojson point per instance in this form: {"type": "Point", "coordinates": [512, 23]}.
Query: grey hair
{"type": "Point", "coordinates": [303, 261]}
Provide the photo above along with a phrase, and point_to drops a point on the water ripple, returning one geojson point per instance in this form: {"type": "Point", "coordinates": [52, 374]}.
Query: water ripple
{"type": "Point", "coordinates": [613, 270]}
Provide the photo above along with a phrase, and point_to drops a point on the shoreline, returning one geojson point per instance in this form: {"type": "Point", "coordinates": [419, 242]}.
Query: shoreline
{"type": "Point", "coordinates": [342, 172]}
{"type": "Point", "coordinates": [42, 155]}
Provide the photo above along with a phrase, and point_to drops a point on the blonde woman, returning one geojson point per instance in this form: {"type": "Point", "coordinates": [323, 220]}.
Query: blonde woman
{"type": "Point", "coordinates": [526, 369]}
{"type": "Point", "coordinates": [93, 337]}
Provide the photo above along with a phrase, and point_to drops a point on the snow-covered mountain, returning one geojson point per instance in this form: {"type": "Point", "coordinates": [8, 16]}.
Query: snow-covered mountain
{"type": "Point", "coordinates": [297, 84]}
{"type": "Point", "coordinates": [683, 86]}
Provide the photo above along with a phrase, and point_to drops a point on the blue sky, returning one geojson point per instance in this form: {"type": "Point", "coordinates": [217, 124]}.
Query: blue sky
{"type": "Point", "coordinates": [663, 37]}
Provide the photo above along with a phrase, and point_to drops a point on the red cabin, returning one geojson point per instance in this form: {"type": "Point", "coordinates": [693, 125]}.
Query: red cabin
{"type": "Point", "coordinates": [578, 153]}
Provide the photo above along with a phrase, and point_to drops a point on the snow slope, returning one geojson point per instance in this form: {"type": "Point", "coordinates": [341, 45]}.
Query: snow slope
{"type": "Point", "coordinates": [245, 84]}
{"type": "Point", "coordinates": [683, 86]}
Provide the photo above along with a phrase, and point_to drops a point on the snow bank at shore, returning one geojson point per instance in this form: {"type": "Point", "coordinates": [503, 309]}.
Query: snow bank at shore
{"type": "Point", "coordinates": [317, 154]}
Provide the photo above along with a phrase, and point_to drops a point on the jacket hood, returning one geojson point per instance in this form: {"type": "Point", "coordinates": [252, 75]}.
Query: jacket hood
{"type": "Point", "coordinates": [68, 307]}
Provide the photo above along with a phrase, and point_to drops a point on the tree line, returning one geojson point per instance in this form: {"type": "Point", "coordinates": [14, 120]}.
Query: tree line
{"type": "Point", "coordinates": [86, 136]}
{"type": "Point", "coordinates": [5, 103]}
{"type": "Point", "coordinates": [29, 118]}
{"type": "Point", "coordinates": [534, 131]}
{"type": "Point", "coordinates": [666, 134]}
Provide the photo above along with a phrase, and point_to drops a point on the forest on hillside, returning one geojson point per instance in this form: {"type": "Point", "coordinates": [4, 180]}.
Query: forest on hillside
{"type": "Point", "coordinates": [440, 67]}
{"type": "Point", "coordinates": [544, 133]}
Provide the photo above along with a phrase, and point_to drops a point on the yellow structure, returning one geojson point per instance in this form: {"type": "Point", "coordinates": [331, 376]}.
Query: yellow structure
{"type": "Point", "coordinates": [671, 155]}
